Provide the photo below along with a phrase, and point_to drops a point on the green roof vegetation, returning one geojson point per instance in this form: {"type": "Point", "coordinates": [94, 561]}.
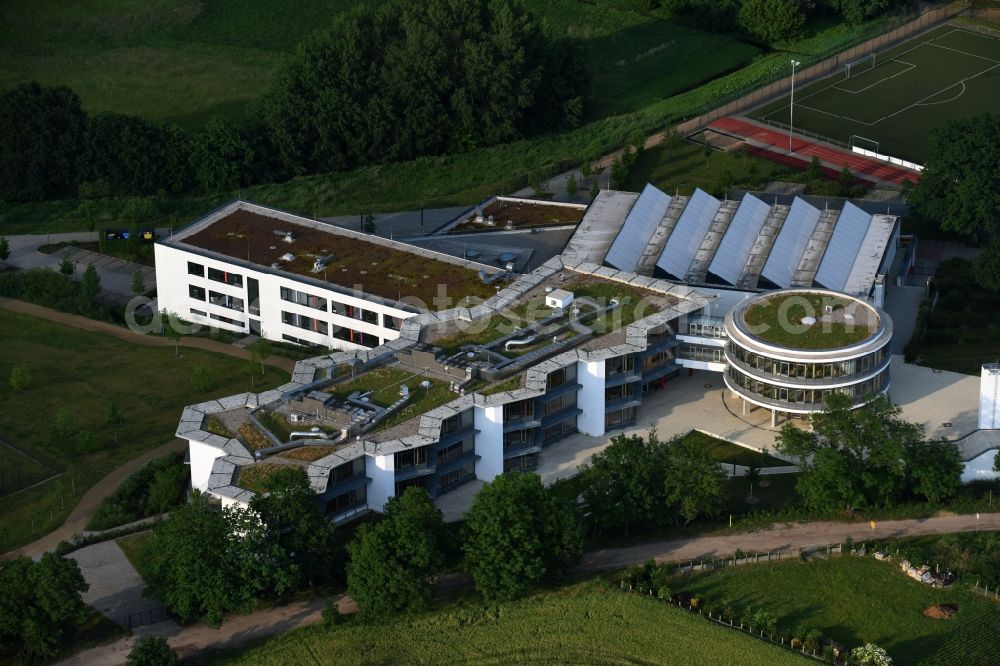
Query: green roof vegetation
{"type": "Point", "coordinates": [853, 600]}
{"type": "Point", "coordinates": [254, 477]}
{"type": "Point", "coordinates": [777, 320]}
{"type": "Point", "coordinates": [509, 384]}
{"type": "Point", "coordinates": [384, 384]}
{"type": "Point", "coordinates": [592, 622]}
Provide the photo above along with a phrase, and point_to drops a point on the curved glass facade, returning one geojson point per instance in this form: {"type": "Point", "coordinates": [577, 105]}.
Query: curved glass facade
{"type": "Point", "coordinates": [814, 373]}
{"type": "Point", "coordinates": [804, 398]}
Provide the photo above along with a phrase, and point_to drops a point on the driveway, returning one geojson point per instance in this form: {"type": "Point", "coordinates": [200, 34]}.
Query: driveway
{"type": "Point", "coordinates": [115, 586]}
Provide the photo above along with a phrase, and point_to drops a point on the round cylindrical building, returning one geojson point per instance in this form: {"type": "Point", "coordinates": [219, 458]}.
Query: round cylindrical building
{"type": "Point", "coordinates": [789, 350]}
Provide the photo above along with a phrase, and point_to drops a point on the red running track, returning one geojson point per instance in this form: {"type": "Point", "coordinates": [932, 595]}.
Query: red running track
{"type": "Point", "coordinates": [776, 143]}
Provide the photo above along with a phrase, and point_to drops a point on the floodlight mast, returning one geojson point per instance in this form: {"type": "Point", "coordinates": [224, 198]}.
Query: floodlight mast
{"type": "Point", "coordinates": [791, 106]}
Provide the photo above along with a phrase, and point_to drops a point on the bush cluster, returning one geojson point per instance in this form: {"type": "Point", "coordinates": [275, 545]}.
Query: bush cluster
{"type": "Point", "coordinates": [157, 487]}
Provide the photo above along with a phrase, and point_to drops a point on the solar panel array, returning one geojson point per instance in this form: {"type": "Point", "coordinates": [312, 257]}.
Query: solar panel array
{"type": "Point", "coordinates": [842, 250]}
{"type": "Point", "coordinates": [791, 243]}
{"type": "Point", "coordinates": [689, 233]}
{"type": "Point", "coordinates": [734, 249]}
{"type": "Point", "coordinates": [640, 225]}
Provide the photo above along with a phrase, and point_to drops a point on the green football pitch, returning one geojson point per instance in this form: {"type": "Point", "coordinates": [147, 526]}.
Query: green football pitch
{"type": "Point", "coordinates": [890, 101]}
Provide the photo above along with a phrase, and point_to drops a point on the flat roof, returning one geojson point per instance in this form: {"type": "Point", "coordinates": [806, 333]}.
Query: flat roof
{"type": "Point", "coordinates": [498, 213]}
{"type": "Point", "coordinates": [392, 270]}
{"type": "Point", "coordinates": [781, 318]}
{"type": "Point", "coordinates": [599, 227]}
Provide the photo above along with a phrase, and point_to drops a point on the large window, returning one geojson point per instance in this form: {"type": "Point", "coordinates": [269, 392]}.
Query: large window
{"type": "Point", "coordinates": [225, 277]}
{"type": "Point", "coordinates": [619, 365]}
{"type": "Point", "coordinates": [347, 470]}
{"type": "Point", "coordinates": [410, 459]}
{"type": "Point", "coordinates": [302, 298]}
{"type": "Point", "coordinates": [522, 409]}
{"type": "Point", "coordinates": [456, 477]}
{"type": "Point", "coordinates": [561, 376]}
{"type": "Point", "coordinates": [304, 322]}
{"type": "Point", "coordinates": [225, 301]}
{"type": "Point", "coordinates": [356, 337]}
{"type": "Point", "coordinates": [346, 501]}
{"type": "Point", "coordinates": [195, 292]}
{"type": "Point", "coordinates": [455, 451]}
{"type": "Point", "coordinates": [226, 320]}
{"type": "Point", "coordinates": [354, 312]}
{"type": "Point", "coordinates": [390, 322]}
{"type": "Point", "coordinates": [196, 269]}
{"type": "Point", "coordinates": [524, 463]}
{"type": "Point", "coordinates": [518, 439]}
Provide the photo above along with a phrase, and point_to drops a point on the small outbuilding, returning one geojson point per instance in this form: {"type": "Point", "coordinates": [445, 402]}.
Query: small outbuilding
{"type": "Point", "coordinates": [558, 298]}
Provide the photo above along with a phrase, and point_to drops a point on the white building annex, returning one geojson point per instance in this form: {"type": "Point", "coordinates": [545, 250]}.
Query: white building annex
{"type": "Point", "coordinates": [645, 289]}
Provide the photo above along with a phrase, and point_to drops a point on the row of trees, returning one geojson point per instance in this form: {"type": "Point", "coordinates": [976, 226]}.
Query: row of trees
{"type": "Point", "coordinates": [382, 84]}
{"type": "Point", "coordinates": [869, 457]}
{"type": "Point", "coordinates": [771, 21]}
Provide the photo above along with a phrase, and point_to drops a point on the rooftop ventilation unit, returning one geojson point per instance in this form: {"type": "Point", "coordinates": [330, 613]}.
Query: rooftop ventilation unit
{"type": "Point", "coordinates": [288, 256]}
{"type": "Point", "coordinates": [321, 263]}
{"type": "Point", "coordinates": [288, 238]}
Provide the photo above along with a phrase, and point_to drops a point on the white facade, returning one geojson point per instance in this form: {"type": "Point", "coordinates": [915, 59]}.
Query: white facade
{"type": "Point", "coordinates": [489, 442]}
{"type": "Point", "coordinates": [590, 398]}
{"type": "Point", "coordinates": [989, 397]}
{"type": "Point", "coordinates": [381, 471]}
{"type": "Point", "coordinates": [185, 288]}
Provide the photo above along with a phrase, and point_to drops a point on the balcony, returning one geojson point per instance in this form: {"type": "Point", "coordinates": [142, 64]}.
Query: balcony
{"type": "Point", "coordinates": [413, 471]}
{"type": "Point", "coordinates": [521, 423]}
{"type": "Point", "coordinates": [350, 513]}
{"type": "Point", "coordinates": [620, 378]}
{"type": "Point", "coordinates": [810, 382]}
{"type": "Point", "coordinates": [561, 390]}
{"type": "Point", "coordinates": [661, 370]}
{"type": "Point", "coordinates": [621, 403]}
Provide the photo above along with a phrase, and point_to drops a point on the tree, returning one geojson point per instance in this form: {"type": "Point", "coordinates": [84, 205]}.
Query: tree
{"type": "Point", "coordinates": [870, 654]}
{"type": "Point", "coordinates": [167, 490]}
{"type": "Point", "coordinates": [4, 248]}
{"type": "Point", "coordinates": [406, 79]}
{"type": "Point", "coordinates": [571, 186]}
{"type": "Point", "coordinates": [90, 289]}
{"type": "Point", "coordinates": [138, 283]}
{"type": "Point", "coordinates": [772, 20]}
{"type": "Point", "coordinates": [20, 378]}
{"type": "Point", "coordinates": [115, 418]}
{"type": "Point", "coordinates": [151, 651]}
{"type": "Point", "coordinates": [595, 189]}
{"type": "Point", "coordinates": [957, 188]}
{"type": "Point", "coordinates": [693, 481]}
{"type": "Point", "coordinates": [858, 11]}
{"type": "Point", "coordinates": [618, 172]}
{"type": "Point", "coordinates": [519, 534]}
{"type": "Point", "coordinates": [392, 561]}
{"type": "Point", "coordinates": [66, 266]}
{"type": "Point", "coordinates": [986, 266]}
{"type": "Point", "coordinates": [201, 378]}
{"type": "Point", "coordinates": [814, 171]}
{"type": "Point", "coordinates": [935, 469]}
{"type": "Point", "coordinates": [368, 224]}
{"type": "Point", "coordinates": [40, 605]}
{"type": "Point", "coordinates": [310, 552]}
{"type": "Point", "coordinates": [41, 133]}
{"type": "Point", "coordinates": [260, 351]}
{"type": "Point", "coordinates": [222, 157]}
{"type": "Point", "coordinates": [861, 457]}
{"type": "Point", "coordinates": [624, 484]}
{"type": "Point", "coordinates": [172, 332]}
{"type": "Point", "coordinates": [585, 169]}
{"type": "Point", "coordinates": [200, 567]}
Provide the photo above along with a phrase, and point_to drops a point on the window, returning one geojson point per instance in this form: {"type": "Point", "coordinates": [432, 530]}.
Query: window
{"type": "Point", "coordinates": [410, 459]}
{"type": "Point", "coordinates": [367, 316]}
{"type": "Point", "coordinates": [225, 277]}
{"type": "Point", "coordinates": [347, 470]}
{"type": "Point", "coordinates": [454, 452]}
{"type": "Point", "coordinates": [355, 337]}
{"type": "Point", "coordinates": [253, 295]}
{"type": "Point", "coordinates": [226, 320]}
{"type": "Point", "coordinates": [455, 478]}
{"type": "Point", "coordinates": [517, 439]}
{"type": "Point", "coordinates": [561, 376]}
{"type": "Point", "coordinates": [300, 341]}
{"type": "Point", "coordinates": [559, 403]}
{"type": "Point", "coordinates": [197, 293]}
{"type": "Point", "coordinates": [457, 422]}
{"type": "Point", "coordinates": [418, 481]}
{"type": "Point", "coordinates": [522, 409]}
{"type": "Point", "coordinates": [198, 313]}
{"type": "Point", "coordinates": [620, 364]}
{"type": "Point", "coordinates": [225, 301]}
{"type": "Point", "coordinates": [196, 269]}
{"type": "Point", "coordinates": [304, 322]}
{"type": "Point", "coordinates": [347, 500]}
{"type": "Point", "coordinates": [524, 463]}
{"type": "Point", "coordinates": [303, 298]}
{"type": "Point", "coordinates": [392, 323]}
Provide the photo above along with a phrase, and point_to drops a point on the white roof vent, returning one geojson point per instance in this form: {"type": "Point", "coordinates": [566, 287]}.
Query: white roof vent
{"type": "Point", "coordinates": [288, 256]}
{"type": "Point", "coordinates": [289, 237]}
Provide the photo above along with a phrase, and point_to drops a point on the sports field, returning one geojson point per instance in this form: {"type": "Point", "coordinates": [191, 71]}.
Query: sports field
{"type": "Point", "coordinates": [891, 101]}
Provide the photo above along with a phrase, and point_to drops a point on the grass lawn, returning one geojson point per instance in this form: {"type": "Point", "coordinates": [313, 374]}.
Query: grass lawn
{"type": "Point", "coordinates": [852, 600]}
{"type": "Point", "coordinates": [253, 477]}
{"type": "Point", "coordinates": [18, 471]}
{"type": "Point", "coordinates": [681, 167]}
{"type": "Point", "coordinates": [135, 547]}
{"type": "Point", "coordinates": [726, 452]}
{"type": "Point", "coordinates": [586, 623]}
{"type": "Point", "coordinates": [964, 329]}
{"type": "Point", "coordinates": [79, 373]}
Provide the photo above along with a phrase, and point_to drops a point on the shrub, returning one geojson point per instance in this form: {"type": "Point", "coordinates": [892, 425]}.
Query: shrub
{"type": "Point", "coordinates": [151, 651]}
{"type": "Point", "coordinates": [331, 614]}
{"type": "Point", "coordinates": [20, 378]}
{"type": "Point", "coordinates": [157, 487]}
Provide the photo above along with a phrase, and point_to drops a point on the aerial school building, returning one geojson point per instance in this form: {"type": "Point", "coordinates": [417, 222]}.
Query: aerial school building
{"type": "Point", "coordinates": [783, 300]}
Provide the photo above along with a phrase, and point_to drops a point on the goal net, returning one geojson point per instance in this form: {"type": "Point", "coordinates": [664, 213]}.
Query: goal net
{"type": "Point", "coordinates": [860, 65]}
{"type": "Point", "coordinates": [858, 141]}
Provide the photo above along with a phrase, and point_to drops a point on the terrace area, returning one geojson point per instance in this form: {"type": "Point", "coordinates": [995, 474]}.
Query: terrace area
{"type": "Point", "coordinates": [810, 320]}
{"type": "Point", "coordinates": [379, 267]}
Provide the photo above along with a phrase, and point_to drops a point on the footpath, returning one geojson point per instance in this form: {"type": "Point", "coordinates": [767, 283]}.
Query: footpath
{"type": "Point", "coordinates": [238, 630]}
